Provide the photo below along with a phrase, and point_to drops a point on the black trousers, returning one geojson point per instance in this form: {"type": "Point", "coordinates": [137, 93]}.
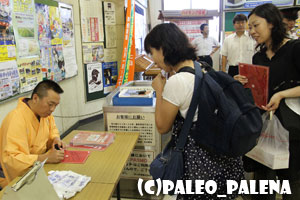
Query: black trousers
{"type": "Point", "coordinates": [233, 70]}
{"type": "Point", "coordinates": [206, 59]}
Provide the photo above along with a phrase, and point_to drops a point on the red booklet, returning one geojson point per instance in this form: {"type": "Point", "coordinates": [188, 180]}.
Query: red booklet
{"type": "Point", "coordinates": [75, 156]}
{"type": "Point", "coordinates": [258, 81]}
{"type": "Point", "coordinates": [93, 138]}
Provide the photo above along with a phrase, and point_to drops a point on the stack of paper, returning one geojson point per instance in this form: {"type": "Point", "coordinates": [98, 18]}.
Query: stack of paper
{"type": "Point", "coordinates": [67, 183]}
{"type": "Point", "coordinates": [92, 140]}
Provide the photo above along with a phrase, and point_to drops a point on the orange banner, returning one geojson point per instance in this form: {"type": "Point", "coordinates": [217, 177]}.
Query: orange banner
{"type": "Point", "coordinates": [126, 72]}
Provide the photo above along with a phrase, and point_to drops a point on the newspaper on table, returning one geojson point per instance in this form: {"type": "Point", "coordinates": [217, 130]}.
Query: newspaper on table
{"type": "Point", "coordinates": [67, 183]}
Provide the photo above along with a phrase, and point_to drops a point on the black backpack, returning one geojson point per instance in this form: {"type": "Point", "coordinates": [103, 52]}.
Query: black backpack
{"type": "Point", "coordinates": [228, 121]}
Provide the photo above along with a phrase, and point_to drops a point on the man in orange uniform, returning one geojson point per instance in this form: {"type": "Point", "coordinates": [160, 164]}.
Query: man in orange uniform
{"type": "Point", "coordinates": [28, 133]}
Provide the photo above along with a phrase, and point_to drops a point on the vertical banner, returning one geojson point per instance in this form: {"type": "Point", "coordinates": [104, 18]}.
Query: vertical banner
{"type": "Point", "coordinates": [126, 72]}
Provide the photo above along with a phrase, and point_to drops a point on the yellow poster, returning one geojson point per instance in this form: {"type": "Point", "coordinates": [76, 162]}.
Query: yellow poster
{"type": "Point", "coordinates": [7, 52]}
{"type": "Point", "coordinates": [30, 72]}
{"type": "Point", "coordinates": [55, 26]}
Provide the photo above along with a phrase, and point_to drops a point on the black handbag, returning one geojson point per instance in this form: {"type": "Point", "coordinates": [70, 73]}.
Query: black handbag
{"type": "Point", "coordinates": [169, 164]}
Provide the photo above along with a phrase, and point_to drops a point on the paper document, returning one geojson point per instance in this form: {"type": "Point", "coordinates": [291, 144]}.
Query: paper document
{"type": "Point", "coordinates": [75, 156]}
{"type": "Point", "coordinates": [67, 183]}
{"type": "Point", "coordinates": [258, 81]}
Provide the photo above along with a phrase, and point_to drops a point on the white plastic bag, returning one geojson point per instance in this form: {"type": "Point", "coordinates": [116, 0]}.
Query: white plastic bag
{"type": "Point", "coordinates": [272, 149]}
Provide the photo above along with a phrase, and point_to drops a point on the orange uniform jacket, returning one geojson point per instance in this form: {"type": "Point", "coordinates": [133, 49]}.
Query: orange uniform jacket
{"type": "Point", "coordinates": [22, 138]}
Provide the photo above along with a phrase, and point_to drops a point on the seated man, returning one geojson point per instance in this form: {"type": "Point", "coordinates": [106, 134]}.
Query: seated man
{"type": "Point", "coordinates": [28, 133]}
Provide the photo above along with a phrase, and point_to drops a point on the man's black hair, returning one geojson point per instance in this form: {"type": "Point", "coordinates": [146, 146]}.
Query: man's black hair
{"type": "Point", "coordinates": [239, 17]}
{"type": "Point", "coordinates": [290, 13]}
{"type": "Point", "coordinates": [202, 26]}
{"type": "Point", "coordinates": [41, 89]}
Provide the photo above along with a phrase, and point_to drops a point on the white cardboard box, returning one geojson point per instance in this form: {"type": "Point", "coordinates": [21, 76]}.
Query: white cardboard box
{"type": "Point", "coordinates": [270, 157]}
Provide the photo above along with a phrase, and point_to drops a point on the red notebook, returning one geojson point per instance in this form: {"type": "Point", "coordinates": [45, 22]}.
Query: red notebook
{"type": "Point", "coordinates": [93, 138]}
{"type": "Point", "coordinates": [77, 157]}
{"type": "Point", "coordinates": [258, 81]}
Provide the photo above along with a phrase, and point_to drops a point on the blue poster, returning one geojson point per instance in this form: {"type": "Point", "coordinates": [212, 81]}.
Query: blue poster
{"type": "Point", "coordinates": [110, 76]}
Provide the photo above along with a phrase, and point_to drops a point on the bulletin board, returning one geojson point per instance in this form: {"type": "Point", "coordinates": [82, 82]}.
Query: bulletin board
{"type": "Point", "coordinates": [99, 43]}
{"type": "Point", "coordinates": [36, 43]}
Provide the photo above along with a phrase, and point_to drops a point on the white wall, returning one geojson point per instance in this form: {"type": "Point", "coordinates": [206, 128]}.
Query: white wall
{"type": "Point", "coordinates": [154, 8]}
{"type": "Point", "coordinates": [73, 101]}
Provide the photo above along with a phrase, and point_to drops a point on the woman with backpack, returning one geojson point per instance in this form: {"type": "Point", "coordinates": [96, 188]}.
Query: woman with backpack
{"type": "Point", "coordinates": [171, 51]}
{"type": "Point", "coordinates": [281, 54]}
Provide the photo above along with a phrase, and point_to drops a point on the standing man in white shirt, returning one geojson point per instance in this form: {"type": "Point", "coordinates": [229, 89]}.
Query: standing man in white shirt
{"type": "Point", "coordinates": [238, 47]}
{"type": "Point", "coordinates": [205, 46]}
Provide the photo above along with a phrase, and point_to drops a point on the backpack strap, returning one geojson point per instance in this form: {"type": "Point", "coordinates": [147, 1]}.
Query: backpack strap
{"type": "Point", "coordinates": [187, 69]}
{"type": "Point", "coordinates": [193, 106]}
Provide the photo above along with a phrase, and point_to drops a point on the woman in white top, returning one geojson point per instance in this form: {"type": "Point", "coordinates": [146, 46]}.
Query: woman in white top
{"type": "Point", "coordinates": [171, 51]}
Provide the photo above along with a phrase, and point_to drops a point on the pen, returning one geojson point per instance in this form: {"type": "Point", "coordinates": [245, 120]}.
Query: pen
{"type": "Point", "coordinates": [57, 147]}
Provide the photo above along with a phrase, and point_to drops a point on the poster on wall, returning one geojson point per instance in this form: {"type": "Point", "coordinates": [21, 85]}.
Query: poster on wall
{"type": "Point", "coordinates": [66, 15]}
{"type": "Point", "coordinates": [58, 63]}
{"type": "Point", "coordinates": [190, 27]}
{"type": "Point", "coordinates": [110, 76]}
{"type": "Point", "coordinates": [55, 26]}
{"type": "Point", "coordinates": [43, 24]}
{"type": "Point", "coordinates": [7, 52]}
{"type": "Point", "coordinates": [30, 72]}
{"type": "Point", "coordinates": [25, 29]}
{"type": "Point", "coordinates": [91, 21]}
{"type": "Point", "coordinates": [110, 37]}
{"type": "Point", "coordinates": [94, 77]}
{"type": "Point", "coordinates": [46, 62]}
{"type": "Point", "coordinates": [9, 79]}
{"type": "Point", "coordinates": [93, 52]}
{"type": "Point", "coordinates": [249, 4]}
{"type": "Point", "coordinates": [44, 38]}
{"type": "Point", "coordinates": [110, 55]}
{"type": "Point", "coordinates": [109, 13]}
{"type": "Point", "coordinates": [7, 39]}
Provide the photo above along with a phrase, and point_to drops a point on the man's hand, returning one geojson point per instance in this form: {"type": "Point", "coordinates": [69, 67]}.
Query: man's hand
{"type": "Point", "coordinates": [53, 155]}
{"type": "Point", "coordinates": [61, 144]}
